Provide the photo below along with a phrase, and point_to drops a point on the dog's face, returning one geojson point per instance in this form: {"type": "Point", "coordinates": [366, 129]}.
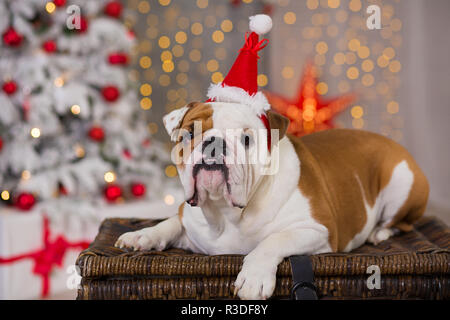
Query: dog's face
{"type": "Point", "coordinates": [221, 150]}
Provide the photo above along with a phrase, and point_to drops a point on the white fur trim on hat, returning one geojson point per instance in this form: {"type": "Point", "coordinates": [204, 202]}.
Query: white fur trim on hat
{"type": "Point", "coordinates": [172, 121]}
{"type": "Point", "coordinates": [258, 102]}
{"type": "Point", "coordinates": [260, 24]}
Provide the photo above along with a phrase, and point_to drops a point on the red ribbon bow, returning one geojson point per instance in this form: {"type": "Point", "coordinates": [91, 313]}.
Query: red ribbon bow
{"type": "Point", "coordinates": [46, 258]}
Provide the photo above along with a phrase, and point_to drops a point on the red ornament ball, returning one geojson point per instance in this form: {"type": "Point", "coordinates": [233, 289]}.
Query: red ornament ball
{"type": "Point", "coordinates": [235, 3]}
{"type": "Point", "coordinates": [127, 154]}
{"type": "Point", "coordinates": [146, 143]}
{"type": "Point", "coordinates": [138, 189]}
{"type": "Point", "coordinates": [113, 192]}
{"type": "Point", "coordinates": [113, 9]}
{"type": "Point", "coordinates": [62, 190]}
{"type": "Point", "coordinates": [118, 58]}
{"type": "Point", "coordinates": [12, 38]}
{"type": "Point", "coordinates": [97, 134]}
{"type": "Point", "coordinates": [49, 46]}
{"type": "Point", "coordinates": [82, 27]}
{"type": "Point", "coordinates": [110, 93]}
{"type": "Point", "coordinates": [268, 9]}
{"type": "Point", "coordinates": [10, 87]}
{"type": "Point", "coordinates": [59, 3]}
{"type": "Point", "coordinates": [1, 144]}
{"type": "Point", "coordinates": [131, 34]}
{"type": "Point", "coordinates": [25, 201]}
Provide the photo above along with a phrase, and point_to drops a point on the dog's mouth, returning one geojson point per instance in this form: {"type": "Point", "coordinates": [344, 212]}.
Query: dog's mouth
{"type": "Point", "coordinates": [211, 179]}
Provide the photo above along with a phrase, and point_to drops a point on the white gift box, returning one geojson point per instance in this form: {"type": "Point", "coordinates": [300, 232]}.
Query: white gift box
{"type": "Point", "coordinates": [22, 233]}
{"type": "Point", "coordinates": [22, 244]}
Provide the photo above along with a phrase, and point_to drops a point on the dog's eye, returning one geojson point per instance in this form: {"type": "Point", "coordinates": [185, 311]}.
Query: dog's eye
{"type": "Point", "coordinates": [187, 137]}
{"type": "Point", "coordinates": [246, 140]}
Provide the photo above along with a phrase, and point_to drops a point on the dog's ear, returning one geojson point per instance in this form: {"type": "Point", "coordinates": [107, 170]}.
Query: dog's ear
{"type": "Point", "coordinates": [277, 121]}
{"type": "Point", "coordinates": [172, 121]}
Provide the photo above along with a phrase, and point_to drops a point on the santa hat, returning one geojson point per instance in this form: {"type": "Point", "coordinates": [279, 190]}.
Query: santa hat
{"type": "Point", "coordinates": [240, 85]}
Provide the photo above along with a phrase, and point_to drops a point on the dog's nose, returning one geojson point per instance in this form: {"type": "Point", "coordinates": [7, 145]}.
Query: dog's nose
{"type": "Point", "coordinates": [214, 147]}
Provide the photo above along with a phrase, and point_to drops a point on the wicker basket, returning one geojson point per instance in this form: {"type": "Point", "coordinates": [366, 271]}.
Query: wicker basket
{"type": "Point", "coordinates": [414, 265]}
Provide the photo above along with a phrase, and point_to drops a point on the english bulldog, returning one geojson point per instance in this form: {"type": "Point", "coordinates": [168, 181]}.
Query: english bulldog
{"type": "Point", "coordinates": [329, 191]}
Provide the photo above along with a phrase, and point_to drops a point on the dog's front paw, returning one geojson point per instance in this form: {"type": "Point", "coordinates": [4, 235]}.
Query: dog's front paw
{"type": "Point", "coordinates": [256, 281]}
{"type": "Point", "coordinates": [144, 239]}
{"type": "Point", "coordinates": [380, 234]}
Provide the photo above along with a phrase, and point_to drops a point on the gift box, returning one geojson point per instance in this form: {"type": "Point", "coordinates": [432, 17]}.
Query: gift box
{"type": "Point", "coordinates": [413, 265]}
{"type": "Point", "coordinates": [36, 252]}
{"type": "Point", "coordinates": [38, 248]}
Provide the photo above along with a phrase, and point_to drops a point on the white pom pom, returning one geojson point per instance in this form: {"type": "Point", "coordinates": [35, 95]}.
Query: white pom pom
{"type": "Point", "coordinates": [260, 24]}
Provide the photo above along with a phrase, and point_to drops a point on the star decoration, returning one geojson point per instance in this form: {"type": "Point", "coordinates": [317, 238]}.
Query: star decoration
{"type": "Point", "coordinates": [307, 111]}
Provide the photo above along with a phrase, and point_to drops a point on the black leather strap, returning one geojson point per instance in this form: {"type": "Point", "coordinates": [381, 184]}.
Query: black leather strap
{"type": "Point", "coordinates": [303, 287]}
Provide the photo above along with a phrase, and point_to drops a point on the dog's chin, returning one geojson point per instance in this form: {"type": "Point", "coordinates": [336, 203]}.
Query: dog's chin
{"type": "Point", "coordinates": [197, 201]}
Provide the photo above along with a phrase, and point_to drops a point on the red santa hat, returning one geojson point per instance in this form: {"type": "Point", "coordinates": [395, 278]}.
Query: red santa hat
{"type": "Point", "coordinates": [240, 85]}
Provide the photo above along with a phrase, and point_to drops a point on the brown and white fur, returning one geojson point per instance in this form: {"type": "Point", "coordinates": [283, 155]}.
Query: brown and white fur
{"type": "Point", "coordinates": [333, 191]}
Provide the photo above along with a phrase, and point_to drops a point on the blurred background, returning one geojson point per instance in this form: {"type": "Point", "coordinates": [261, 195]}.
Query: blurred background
{"type": "Point", "coordinates": [81, 135]}
{"type": "Point", "coordinates": [400, 72]}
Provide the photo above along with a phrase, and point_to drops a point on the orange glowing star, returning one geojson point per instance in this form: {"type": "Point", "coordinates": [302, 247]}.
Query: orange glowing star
{"type": "Point", "coordinates": [308, 112]}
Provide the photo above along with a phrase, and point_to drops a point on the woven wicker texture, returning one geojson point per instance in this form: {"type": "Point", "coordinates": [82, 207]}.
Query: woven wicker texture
{"type": "Point", "coordinates": [414, 265]}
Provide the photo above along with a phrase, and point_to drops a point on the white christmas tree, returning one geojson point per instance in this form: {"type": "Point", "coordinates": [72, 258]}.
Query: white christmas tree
{"type": "Point", "coordinates": [70, 123]}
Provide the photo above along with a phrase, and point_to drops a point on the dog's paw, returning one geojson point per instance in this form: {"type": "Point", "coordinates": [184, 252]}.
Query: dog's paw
{"type": "Point", "coordinates": [380, 234]}
{"type": "Point", "coordinates": [144, 239]}
{"type": "Point", "coordinates": [256, 281]}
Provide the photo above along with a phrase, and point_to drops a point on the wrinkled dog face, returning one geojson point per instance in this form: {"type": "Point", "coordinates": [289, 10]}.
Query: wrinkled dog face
{"type": "Point", "coordinates": [220, 151]}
